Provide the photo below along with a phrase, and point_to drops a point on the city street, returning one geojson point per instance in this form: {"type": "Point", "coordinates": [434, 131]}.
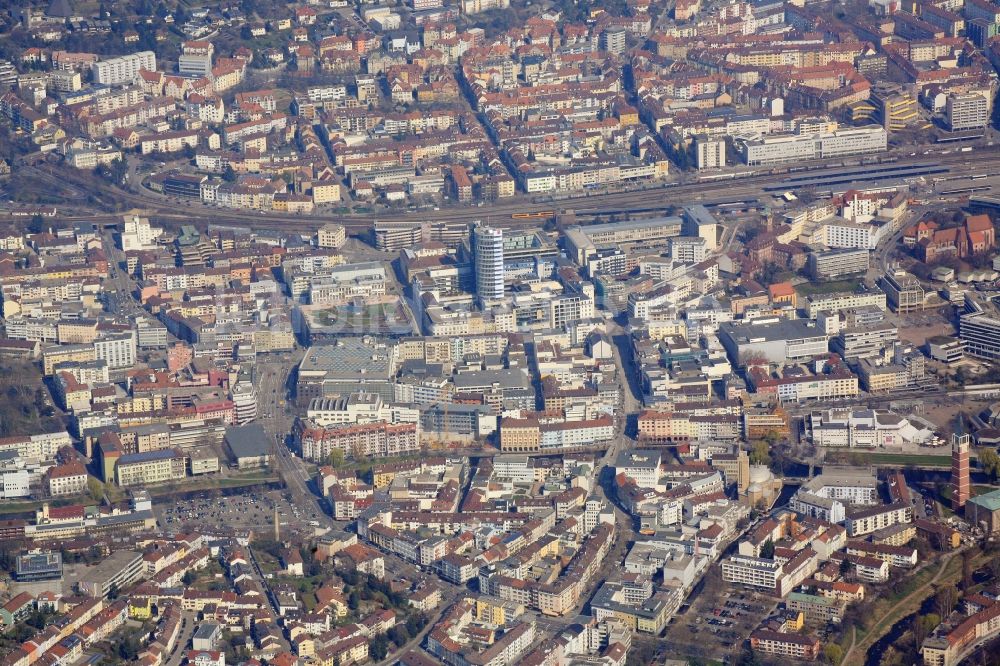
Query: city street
{"type": "Point", "coordinates": [274, 416]}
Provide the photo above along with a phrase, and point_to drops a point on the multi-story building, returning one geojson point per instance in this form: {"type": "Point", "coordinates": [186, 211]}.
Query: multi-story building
{"type": "Point", "coordinates": [118, 350]}
{"type": "Point", "coordinates": [775, 340]}
{"type": "Point", "coordinates": [68, 479]}
{"type": "Point", "coordinates": [115, 572]}
{"type": "Point", "coordinates": [979, 327]}
{"type": "Point", "coordinates": [778, 148]}
{"type": "Point", "coordinates": [790, 644]}
{"type": "Point", "coordinates": [904, 557]}
{"type": "Point", "coordinates": [331, 235]}
{"type": "Point", "coordinates": [150, 467]}
{"type": "Point", "coordinates": [637, 606]}
{"type": "Point", "coordinates": [489, 267]}
{"type": "Point", "coordinates": [138, 234]}
{"type": "Point", "coordinates": [865, 520]}
{"type": "Point", "coordinates": [358, 408]}
{"type": "Point", "coordinates": [798, 384]}
{"type": "Point", "coordinates": [377, 440]}
{"type": "Point", "coordinates": [641, 466]}
{"type": "Point", "coordinates": [895, 107]}
{"type": "Point", "coordinates": [42, 446]}
{"type": "Point", "coordinates": [836, 263]}
{"type": "Point", "coordinates": [816, 607]}
{"type": "Point", "coordinates": [520, 435]}
{"type": "Point", "coordinates": [865, 341]}
{"type": "Point", "coordinates": [752, 571]}
{"type": "Point", "coordinates": [869, 569]}
{"type": "Point", "coordinates": [846, 234]}
{"type": "Point", "coordinates": [951, 648]}
{"type": "Point", "coordinates": [244, 397]}
{"type": "Point", "coordinates": [123, 69]}
{"type": "Point", "coordinates": [903, 291]}
{"type": "Point", "coordinates": [866, 428]}
{"type": "Point", "coordinates": [844, 301]}
{"type": "Point", "coordinates": [14, 483]}
{"type": "Point", "coordinates": [581, 242]}
{"type": "Point", "coordinates": [710, 151]}
{"type": "Point", "coordinates": [570, 434]}
{"type": "Point", "coordinates": [966, 111]}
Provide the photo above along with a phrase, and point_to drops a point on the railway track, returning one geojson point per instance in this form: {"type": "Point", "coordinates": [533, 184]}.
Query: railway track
{"type": "Point", "coordinates": [499, 214]}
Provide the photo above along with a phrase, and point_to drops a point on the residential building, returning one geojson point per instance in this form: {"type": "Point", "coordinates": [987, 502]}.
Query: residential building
{"type": "Point", "coordinates": [123, 69]}
{"type": "Point", "coordinates": [967, 111]}
{"type": "Point", "coordinates": [710, 151]}
{"type": "Point", "coordinates": [865, 520]}
{"type": "Point", "coordinates": [791, 644]}
{"type": "Point", "coordinates": [115, 572]}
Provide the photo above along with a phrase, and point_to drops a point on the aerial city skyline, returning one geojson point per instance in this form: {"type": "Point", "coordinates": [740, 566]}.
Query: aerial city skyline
{"type": "Point", "coordinates": [499, 333]}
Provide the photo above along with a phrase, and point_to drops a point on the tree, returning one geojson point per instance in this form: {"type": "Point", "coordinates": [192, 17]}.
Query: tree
{"type": "Point", "coordinates": [229, 174]}
{"type": "Point", "coordinates": [38, 619]}
{"type": "Point", "coordinates": [379, 647]}
{"type": "Point", "coordinates": [95, 488]}
{"type": "Point", "coordinates": [748, 658]}
{"type": "Point", "coordinates": [189, 577]}
{"type": "Point", "coordinates": [760, 453]}
{"type": "Point", "coordinates": [989, 462]}
{"type": "Point", "coordinates": [353, 600]}
{"type": "Point", "coordinates": [919, 631]}
{"type": "Point", "coordinates": [845, 567]}
{"type": "Point", "coordinates": [769, 274]}
{"type": "Point", "coordinates": [966, 570]}
{"type": "Point", "coordinates": [113, 591]}
{"type": "Point", "coordinates": [994, 566]}
{"type": "Point", "coordinates": [767, 550]}
{"type": "Point", "coordinates": [944, 600]}
{"type": "Point", "coordinates": [833, 653]}
{"type": "Point", "coordinates": [416, 623]}
{"type": "Point", "coordinates": [115, 172]}
{"type": "Point", "coordinates": [128, 648]}
{"type": "Point", "coordinates": [336, 458]}
{"type": "Point", "coordinates": [399, 635]}
{"type": "Point", "coordinates": [37, 224]}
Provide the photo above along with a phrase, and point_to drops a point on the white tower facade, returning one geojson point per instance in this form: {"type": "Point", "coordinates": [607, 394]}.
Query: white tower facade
{"type": "Point", "coordinates": [487, 243]}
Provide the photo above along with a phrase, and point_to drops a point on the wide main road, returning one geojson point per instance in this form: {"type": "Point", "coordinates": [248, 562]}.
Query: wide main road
{"type": "Point", "coordinates": [747, 187]}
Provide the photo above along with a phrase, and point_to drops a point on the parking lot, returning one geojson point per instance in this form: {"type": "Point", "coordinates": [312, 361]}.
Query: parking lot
{"type": "Point", "coordinates": [250, 510]}
{"type": "Point", "coordinates": [718, 620]}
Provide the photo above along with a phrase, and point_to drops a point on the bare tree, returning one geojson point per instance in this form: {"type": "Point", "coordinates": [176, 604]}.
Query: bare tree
{"type": "Point", "coordinates": [945, 599]}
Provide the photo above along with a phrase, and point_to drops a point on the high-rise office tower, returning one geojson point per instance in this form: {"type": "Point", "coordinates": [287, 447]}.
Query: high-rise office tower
{"type": "Point", "coordinates": [487, 249]}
